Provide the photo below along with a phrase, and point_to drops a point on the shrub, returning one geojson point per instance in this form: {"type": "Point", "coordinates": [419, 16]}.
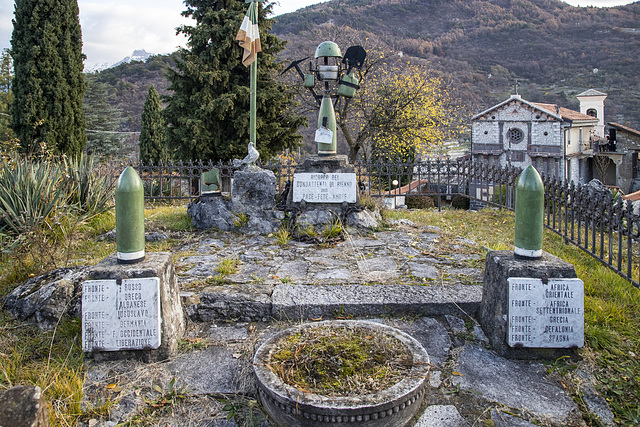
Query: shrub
{"type": "Point", "coordinates": [420, 202]}
{"type": "Point", "coordinates": [460, 202]}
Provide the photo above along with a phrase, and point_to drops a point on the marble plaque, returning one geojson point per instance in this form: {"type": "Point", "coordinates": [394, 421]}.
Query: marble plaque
{"type": "Point", "coordinates": [545, 315]}
{"type": "Point", "coordinates": [121, 314]}
{"type": "Point", "coordinates": [324, 187]}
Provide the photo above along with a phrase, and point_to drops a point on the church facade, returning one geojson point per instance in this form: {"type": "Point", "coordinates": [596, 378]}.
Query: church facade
{"type": "Point", "coordinates": [557, 141]}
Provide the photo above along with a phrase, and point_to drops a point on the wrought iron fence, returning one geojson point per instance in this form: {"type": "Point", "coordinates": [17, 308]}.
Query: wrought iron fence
{"type": "Point", "coordinates": [605, 227]}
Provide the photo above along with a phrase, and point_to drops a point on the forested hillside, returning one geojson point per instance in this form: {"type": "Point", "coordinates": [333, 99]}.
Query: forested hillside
{"type": "Point", "coordinates": [130, 84]}
{"type": "Point", "coordinates": [554, 50]}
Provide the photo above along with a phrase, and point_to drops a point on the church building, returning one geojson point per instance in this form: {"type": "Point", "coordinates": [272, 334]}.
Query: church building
{"type": "Point", "coordinates": [557, 141]}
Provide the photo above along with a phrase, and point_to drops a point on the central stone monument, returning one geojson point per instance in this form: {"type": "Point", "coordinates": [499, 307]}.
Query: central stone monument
{"type": "Point", "coordinates": [325, 186]}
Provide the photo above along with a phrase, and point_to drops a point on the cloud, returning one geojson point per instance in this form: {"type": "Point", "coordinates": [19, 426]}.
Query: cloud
{"type": "Point", "coordinates": [111, 32]}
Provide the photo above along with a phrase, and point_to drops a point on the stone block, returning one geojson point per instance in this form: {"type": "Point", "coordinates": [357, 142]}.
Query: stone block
{"type": "Point", "coordinates": [156, 264]}
{"type": "Point", "coordinates": [494, 310]}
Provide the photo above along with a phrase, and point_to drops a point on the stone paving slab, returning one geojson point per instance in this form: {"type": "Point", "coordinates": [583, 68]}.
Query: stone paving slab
{"type": "Point", "coordinates": [215, 370]}
{"type": "Point", "coordinates": [441, 416]}
{"type": "Point", "coordinates": [502, 419]}
{"type": "Point", "coordinates": [518, 384]}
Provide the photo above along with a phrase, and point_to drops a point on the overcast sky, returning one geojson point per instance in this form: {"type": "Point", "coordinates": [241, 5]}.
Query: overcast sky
{"type": "Point", "coordinates": [113, 29]}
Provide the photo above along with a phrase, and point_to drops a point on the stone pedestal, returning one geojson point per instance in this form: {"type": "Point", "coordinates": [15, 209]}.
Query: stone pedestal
{"type": "Point", "coordinates": [324, 188]}
{"type": "Point", "coordinates": [253, 194]}
{"type": "Point", "coordinates": [494, 309]}
{"type": "Point", "coordinates": [156, 265]}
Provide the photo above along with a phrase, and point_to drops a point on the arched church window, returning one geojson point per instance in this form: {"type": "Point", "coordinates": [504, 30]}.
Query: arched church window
{"type": "Point", "coordinates": [592, 112]}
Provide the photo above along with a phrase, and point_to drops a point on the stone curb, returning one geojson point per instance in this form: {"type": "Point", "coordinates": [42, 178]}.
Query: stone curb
{"type": "Point", "coordinates": [294, 302]}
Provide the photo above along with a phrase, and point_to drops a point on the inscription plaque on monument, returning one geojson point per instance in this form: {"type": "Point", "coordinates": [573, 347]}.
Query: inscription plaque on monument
{"type": "Point", "coordinates": [324, 187]}
{"type": "Point", "coordinates": [547, 315]}
{"type": "Point", "coordinates": [121, 314]}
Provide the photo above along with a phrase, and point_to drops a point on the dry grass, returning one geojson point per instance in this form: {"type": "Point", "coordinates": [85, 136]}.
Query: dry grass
{"type": "Point", "coordinates": [341, 361]}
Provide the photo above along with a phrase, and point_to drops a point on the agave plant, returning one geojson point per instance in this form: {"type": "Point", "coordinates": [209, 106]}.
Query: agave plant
{"type": "Point", "coordinates": [89, 193]}
{"type": "Point", "coordinates": [30, 191]}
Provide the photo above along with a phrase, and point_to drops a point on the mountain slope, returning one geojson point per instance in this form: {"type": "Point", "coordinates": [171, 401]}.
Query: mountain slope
{"type": "Point", "coordinates": [555, 50]}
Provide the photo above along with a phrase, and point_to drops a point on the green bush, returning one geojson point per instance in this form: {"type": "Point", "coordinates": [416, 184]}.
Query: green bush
{"type": "Point", "coordinates": [420, 202]}
{"type": "Point", "coordinates": [460, 202]}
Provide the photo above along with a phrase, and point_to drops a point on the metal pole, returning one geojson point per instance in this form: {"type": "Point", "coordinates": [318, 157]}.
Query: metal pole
{"type": "Point", "coordinates": [252, 119]}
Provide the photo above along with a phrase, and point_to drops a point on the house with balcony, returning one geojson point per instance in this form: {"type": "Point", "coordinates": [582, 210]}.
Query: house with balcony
{"type": "Point", "coordinates": [619, 160]}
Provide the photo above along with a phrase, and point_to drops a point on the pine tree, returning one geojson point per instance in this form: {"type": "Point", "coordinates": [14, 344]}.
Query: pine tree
{"type": "Point", "coordinates": [103, 119]}
{"type": "Point", "coordinates": [152, 134]}
{"type": "Point", "coordinates": [48, 85]}
{"type": "Point", "coordinates": [208, 112]}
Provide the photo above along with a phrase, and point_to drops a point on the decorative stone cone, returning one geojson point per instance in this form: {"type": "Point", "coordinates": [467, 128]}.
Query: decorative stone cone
{"type": "Point", "coordinates": [129, 196]}
{"type": "Point", "coordinates": [529, 214]}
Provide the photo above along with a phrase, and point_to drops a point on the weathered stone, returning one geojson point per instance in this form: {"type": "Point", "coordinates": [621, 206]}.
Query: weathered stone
{"type": "Point", "coordinates": [518, 384]}
{"type": "Point", "coordinates": [296, 270]}
{"type": "Point", "coordinates": [253, 189]}
{"type": "Point", "coordinates": [441, 416]}
{"type": "Point", "coordinates": [245, 302]}
{"type": "Point", "coordinates": [248, 273]}
{"type": "Point", "coordinates": [317, 216]}
{"type": "Point", "coordinates": [45, 299]}
{"type": "Point", "coordinates": [456, 324]}
{"type": "Point", "coordinates": [253, 194]}
{"type": "Point", "coordinates": [228, 333]}
{"type": "Point", "coordinates": [431, 334]}
{"type": "Point", "coordinates": [595, 402]}
{"type": "Point", "coordinates": [419, 269]}
{"type": "Point", "coordinates": [402, 221]}
{"type": "Point", "coordinates": [211, 212]}
{"type": "Point", "coordinates": [499, 266]}
{"type": "Point", "coordinates": [364, 219]}
{"type": "Point", "coordinates": [435, 379]}
{"type": "Point", "coordinates": [502, 419]}
{"type": "Point", "coordinates": [303, 301]}
{"type": "Point", "coordinates": [195, 371]}
{"type": "Point", "coordinates": [156, 264]}
{"type": "Point", "coordinates": [333, 274]}
{"type": "Point", "coordinates": [23, 406]}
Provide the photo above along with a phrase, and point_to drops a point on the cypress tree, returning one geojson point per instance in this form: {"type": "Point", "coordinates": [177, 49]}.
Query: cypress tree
{"type": "Point", "coordinates": [152, 134]}
{"type": "Point", "coordinates": [48, 85]}
{"type": "Point", "coordinates": [208, 113]}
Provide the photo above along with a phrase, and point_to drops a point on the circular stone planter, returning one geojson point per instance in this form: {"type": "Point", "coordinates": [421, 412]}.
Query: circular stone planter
{"type": "Point", "coordinates": [391, 407]}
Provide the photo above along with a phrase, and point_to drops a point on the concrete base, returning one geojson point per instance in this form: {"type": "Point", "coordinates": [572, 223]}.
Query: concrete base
{"type": "Point", "coordinates": [156, 264]}
{"type": "Point", "coordinates": [494, 309]}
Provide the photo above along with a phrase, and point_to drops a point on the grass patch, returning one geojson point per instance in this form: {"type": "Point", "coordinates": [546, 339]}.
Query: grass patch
{"type": "Point", "coordinates": [167, 217]}
{"type": "Point", "coordinates": [51, 360]}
